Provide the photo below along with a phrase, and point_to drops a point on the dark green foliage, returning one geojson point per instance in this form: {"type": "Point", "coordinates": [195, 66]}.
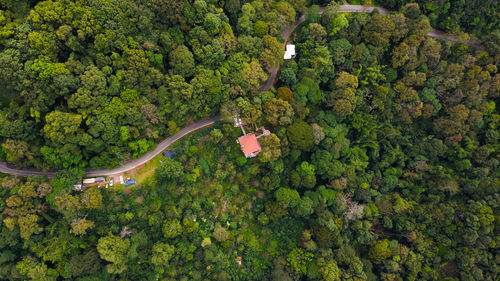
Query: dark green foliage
{"type": "Point", "coordinates": [169, 169]}
{"type": "Point", "coordinates": [300, 135]}
{"type": "Point", "coordinates": [182, 61]}
{"type": "Point", "coordinates": [479, 17]}
{"type": "Point", "coordinates": [384, 167]}
{"type": "Point", "coordinates": [97, 83]}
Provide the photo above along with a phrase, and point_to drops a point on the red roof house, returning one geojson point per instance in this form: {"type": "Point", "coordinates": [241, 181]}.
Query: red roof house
{"type": "Point", "coordinates": [249, 145]}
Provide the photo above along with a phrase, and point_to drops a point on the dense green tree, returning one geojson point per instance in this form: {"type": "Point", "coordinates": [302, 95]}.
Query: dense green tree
{"type": "Point", "coordinates": [260, 28]}
{"type": "Point", "coordinates": [278, 111]}
{"type": "Point", "coordinates": [273, 54]}
{"type": "Point", "coordinates": [169, 169]}
{"type": "Point", "coordinates": [287, 197]}
{"type": "Point", "coordinates": [17, 152]}
{"type": "Point", "coordinates": [161, 254]}
{"type": "Point", "coordinates": [220, 233]}
{"type": "Point", "coordinates": [379, 251]}
{"type": "Point", "coordinates": [80, 226]}
{"type": "Point", "coordinates": [172, 228]}
{"type": "Point", "coordinates": [63, 127]}
{"type": "Point", "coordinates": [300, 135]}
{"type": "Point", "coordinates": [28, 225]}
{"type": "Point", "coordinates": [253, 75]}
{"type": "Point", "coordinates": [182, 61]}
{"type": "Point", "coordinates": [333, 21]}
{"type": "Point", "coordinates": [35, 270]}
{"type": "Point", "coordinates": [114, 249]}
{"type": "Point", "coordinates": [271, 148]}
{"type": "Point", "coordinates": [329, 270]}
{"type": "Point", "coordinates": [212, 24]}
{"type": "Point", "coordinates": [298, 259]}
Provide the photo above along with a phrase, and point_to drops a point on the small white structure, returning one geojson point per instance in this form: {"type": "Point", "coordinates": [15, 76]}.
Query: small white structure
{"type": "Point", "coordinates": [237, 122]}
{"type": "Point", "coordinates": [289, 52]}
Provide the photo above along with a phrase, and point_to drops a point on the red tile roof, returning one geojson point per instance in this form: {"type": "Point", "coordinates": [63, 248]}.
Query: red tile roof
{"type": "Point", "coordinates": [249, 145]}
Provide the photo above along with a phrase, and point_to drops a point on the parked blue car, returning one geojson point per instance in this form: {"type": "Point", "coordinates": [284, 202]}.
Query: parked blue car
{"type": "Point", "coordinates": [130, 182]}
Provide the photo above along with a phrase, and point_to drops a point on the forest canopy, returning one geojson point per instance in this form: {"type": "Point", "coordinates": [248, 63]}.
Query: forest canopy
{"type": "Point", "coordinates": [381, 163]}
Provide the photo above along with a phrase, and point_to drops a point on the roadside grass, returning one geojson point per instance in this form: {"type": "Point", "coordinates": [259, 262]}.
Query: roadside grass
{"type": "Point", "coordinates": [145, 173]}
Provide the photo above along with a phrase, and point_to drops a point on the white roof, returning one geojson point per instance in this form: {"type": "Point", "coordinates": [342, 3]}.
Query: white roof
{"type": "Point", "coordinates": [290, 51]}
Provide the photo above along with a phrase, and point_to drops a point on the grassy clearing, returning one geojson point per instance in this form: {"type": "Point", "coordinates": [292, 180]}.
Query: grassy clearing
{"type": "Point", "coordinates": [145, 173]}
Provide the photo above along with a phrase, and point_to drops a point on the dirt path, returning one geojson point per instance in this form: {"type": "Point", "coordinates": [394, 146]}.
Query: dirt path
{"type": "Point", "coordinates": [285, 34]}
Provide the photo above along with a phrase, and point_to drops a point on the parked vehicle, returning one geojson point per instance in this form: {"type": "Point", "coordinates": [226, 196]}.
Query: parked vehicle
{"type": "Point", "coordinates": [130, 182]}
{"type": "Point", "coordinates": [111, 182]}
{"type": "Point", "coordinates": [89, 181]}
{"type": "Point", "coordinates": [121, 180]}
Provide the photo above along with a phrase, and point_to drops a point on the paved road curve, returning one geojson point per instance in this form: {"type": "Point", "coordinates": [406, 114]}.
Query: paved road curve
{"type": "Point", "coordinates": [4, 168]}
{"type": "Point", "coordinates": [159, 149]}
{"type": "Point", "coordinates": [7, 169]}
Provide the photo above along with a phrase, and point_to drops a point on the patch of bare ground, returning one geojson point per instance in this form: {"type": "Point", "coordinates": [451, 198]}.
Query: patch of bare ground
{"type": "Point", "coordinates": [203, 139]}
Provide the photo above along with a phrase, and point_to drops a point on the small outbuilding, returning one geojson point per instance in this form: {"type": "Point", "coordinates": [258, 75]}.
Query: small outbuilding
{"type": "Point", "coordinates": [289, 52]}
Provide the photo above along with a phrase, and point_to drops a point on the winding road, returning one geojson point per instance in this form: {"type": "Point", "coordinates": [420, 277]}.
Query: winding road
{"type": "Point", "coordinates": [127, 166]}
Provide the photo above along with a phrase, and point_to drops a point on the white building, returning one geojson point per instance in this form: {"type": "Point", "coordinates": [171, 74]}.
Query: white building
{"type": "Point", "coordinates": [289, 52]}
